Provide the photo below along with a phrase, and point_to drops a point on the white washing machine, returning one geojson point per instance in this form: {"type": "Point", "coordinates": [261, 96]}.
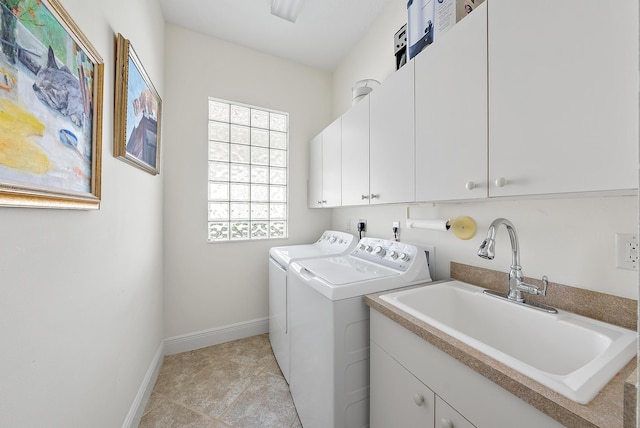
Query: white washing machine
{"type": "Point", "coordinates": [330, 243]}
{"type": "Point", "coordinates": [329, 325]}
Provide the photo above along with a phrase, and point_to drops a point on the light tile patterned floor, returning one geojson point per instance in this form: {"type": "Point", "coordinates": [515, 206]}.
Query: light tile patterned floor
{"type": "Point", "coordinates": [232, 385]}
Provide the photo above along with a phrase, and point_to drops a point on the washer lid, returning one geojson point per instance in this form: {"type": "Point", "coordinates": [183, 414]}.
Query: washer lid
{"type": "Point", "coordinates": [292, 252]}
{"type": "Point", "coordinates": [346, 270]}
{"type": "Point", "coordinates": [330, 243]}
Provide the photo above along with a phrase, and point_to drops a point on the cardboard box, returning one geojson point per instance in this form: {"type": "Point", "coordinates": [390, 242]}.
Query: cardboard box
{"type": "Point", "coordinates": [449, 12]}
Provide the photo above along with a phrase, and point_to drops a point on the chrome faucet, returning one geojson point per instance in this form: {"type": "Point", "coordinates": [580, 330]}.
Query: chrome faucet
{"type": "Point", "coordinates": [517, 286]}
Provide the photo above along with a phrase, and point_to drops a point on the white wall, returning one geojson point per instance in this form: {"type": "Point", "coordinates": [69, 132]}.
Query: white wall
{"type": "Point", "coordinates": [371, 58]}
{"type": "Point", "coordinates": [216, 285]}
{"type": "Point", "coordinates": [81, 305]}
{"type": "Point", "coordinates": [569, 240]}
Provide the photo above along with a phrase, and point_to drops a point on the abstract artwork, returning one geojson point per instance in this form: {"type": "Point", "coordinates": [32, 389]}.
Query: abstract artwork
{"type": "Point", "coordinates": [137, 115]}
{"type": "Point", "coordinates": [51, 81]}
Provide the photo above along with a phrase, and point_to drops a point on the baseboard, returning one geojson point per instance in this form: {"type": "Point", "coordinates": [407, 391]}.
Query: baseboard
{"type": "Point", "coordinates": [215, 336]}
{"type": "Point", "coordinates": [140, 401]}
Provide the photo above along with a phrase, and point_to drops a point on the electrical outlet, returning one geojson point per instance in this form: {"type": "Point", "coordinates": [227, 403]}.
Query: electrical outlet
{"type": "Point", "coordinates": [396, 230]}
{"type": "Point", "coordinates": [362, 225]}
{"type": "Point", "coordinates": [627, 251]}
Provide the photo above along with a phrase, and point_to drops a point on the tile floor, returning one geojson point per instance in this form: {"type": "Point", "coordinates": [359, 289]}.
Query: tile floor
{"type": "Point", "coordinates": [232, 385]}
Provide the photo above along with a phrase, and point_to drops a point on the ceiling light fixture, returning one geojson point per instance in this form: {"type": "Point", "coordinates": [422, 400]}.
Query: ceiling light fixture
{"type": "Point", "coordinates": [286, 9]}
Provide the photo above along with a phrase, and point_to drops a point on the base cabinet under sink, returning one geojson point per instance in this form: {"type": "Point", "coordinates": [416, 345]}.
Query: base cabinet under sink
{"type": "Point", "coordinates": [414, 384]}
{"type": "Point", "coordinates": [399, 399]}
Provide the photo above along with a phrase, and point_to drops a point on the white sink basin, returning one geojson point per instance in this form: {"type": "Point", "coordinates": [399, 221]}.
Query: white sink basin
{"type": "Point", "coordinates": [571, 354]}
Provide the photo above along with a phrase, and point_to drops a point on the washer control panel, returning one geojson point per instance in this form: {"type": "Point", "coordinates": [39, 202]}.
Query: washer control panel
{"type": "Point", "coordinates": [335, 239]}
{"type": "Point", "coordinates": [393, 254]}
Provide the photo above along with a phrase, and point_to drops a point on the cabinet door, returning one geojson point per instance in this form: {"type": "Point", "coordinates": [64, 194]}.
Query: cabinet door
{"type": "Point", "coordinates": [563, 96]}
{"type": "Point", "coordinates": [314, 185]}
{"type": "Point", "coordinates": [448, 417]}
{"type": "Point", "coordinates": [355, 154]}
{"type": "Point", "coordinates": [451, 113]}
{"type": "Point", "coordinates": [392, 139]}
{"type": "Point", "coordinates": [397, 398]}
{"type": "Point", "coordinates": [332, 164]}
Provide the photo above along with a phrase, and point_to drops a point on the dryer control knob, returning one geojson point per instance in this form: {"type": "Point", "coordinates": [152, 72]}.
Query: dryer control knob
{"type": "Point", "coordinates": [333, 239]}
{"type": "Point", "coordinates": [379, 251]}
{"type": "Point", "coordinates": [393, 254]}
{"type": "Point", "coordinates": [404, 257]}
{"type": "Point", "coordinates": [369, 248]}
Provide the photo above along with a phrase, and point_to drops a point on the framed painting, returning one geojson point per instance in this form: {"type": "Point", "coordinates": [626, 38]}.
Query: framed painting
{"type": "Point", "coordinates": [138, 110]}
{"type": "Point", "coordinates": [51, 83]}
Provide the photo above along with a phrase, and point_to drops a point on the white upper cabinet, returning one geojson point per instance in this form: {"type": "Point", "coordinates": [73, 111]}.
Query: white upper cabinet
{"type": "Point", "coordinates": [563, 96]}
{"type": "Point", "coordinates": [324, 186]}
{"type": "Point", "coordinates": [392, 139]}
{"type": "Point", "coordinates": [332, 164]}
{"type": "Point", "coordinates": [519, 98]}
{"type": "Point", "coordinates": [451, 113]}
{"type": "Point", "coordinates": [355, 154]}
{"type": "Point", "coordinates": [314, 185]}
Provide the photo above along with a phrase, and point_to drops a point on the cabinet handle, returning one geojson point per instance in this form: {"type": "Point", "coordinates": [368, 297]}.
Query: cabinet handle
{"type": "Point", "coordinates": [319, 202]}
{"type": "Point", "coordinates": [470, 185]}
{"type": "Point", "coordinates": [501, 182]}
{"type": "Point", "coordinates": [446, 423]}
{"type": "Point", "coordinates": [418, 399]}
{"type": "Point", "coordinates": [324, 201]}
{"type": "Point", "coordinates": [365, 196]}
{"type": "Point", "coordinates": [374, 196]}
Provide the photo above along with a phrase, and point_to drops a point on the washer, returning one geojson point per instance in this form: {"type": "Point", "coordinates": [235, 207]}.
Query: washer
{"type": "Point", "coordinates": [329, 326]}
{"type": "Point", "coordinates": [330, 243]}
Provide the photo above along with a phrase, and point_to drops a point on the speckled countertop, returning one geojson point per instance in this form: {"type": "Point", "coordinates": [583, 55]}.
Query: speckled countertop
{"type": "Point", "coordinates": [606, 410]}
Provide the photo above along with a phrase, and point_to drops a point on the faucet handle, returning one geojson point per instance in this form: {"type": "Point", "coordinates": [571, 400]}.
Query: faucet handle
{"type": "Point", "coordinates": [532, 289]}
{"type": "Point", "coordinates": [545, 282]}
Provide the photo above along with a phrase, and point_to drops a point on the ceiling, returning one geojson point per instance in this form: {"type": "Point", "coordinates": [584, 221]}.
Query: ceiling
{"type": "Point", "coordinates": [322, 35]}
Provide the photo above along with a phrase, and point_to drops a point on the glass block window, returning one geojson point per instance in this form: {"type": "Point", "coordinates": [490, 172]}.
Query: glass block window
{"type": "Point", "coordinates": [247, 172]}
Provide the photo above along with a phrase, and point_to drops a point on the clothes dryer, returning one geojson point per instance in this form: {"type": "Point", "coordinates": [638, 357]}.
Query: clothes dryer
{"type": "Point", "coordinates": [330, 243]}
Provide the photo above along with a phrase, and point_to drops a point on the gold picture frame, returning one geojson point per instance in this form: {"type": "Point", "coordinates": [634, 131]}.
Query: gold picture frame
{"type": "Point", "coordinates": [51, 88]}
{"type": "Point", "coordinates": [138, 110]}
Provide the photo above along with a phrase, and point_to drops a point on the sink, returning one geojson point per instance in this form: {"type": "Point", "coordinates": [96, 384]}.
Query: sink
{"type": "Point", "coordinates": [573, 355]}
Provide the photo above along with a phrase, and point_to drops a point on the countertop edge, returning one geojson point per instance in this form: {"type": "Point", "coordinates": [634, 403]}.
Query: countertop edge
{"type": "Point", "coordinates": [606, 410]}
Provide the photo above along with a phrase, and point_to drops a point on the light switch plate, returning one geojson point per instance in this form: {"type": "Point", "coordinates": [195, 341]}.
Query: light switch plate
{"type": "Point", "coordinates": [627, 251]}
